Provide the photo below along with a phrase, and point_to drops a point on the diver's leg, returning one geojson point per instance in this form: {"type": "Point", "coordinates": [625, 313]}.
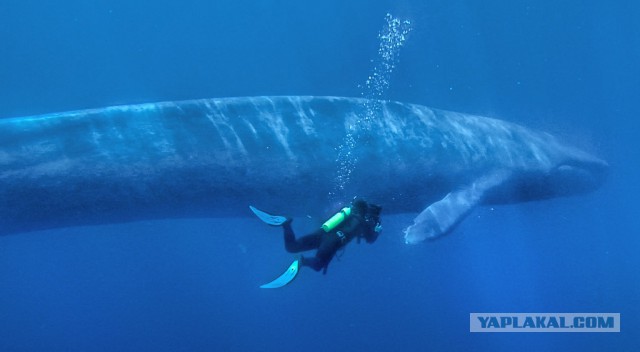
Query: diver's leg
{"type": "Point", "coordinates": [313, 262]}
{"type": "Point", "coordinates": [304, 243]}
{"type": "Point", "coordinates": [327, 249]}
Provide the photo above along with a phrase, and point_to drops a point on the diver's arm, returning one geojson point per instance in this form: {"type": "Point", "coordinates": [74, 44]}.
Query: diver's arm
{"type": "Point", "coordinates": [368, 234]}
{"type": "Point", "coordinates": [371, 237]}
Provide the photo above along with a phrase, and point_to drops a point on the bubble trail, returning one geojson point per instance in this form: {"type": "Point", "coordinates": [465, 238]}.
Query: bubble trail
{"type": "Point", "coordinates": [391, 39]}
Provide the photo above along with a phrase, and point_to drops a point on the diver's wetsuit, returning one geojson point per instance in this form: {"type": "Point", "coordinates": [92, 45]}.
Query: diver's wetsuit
{"type": "Point", "coordinates": [327, 243]}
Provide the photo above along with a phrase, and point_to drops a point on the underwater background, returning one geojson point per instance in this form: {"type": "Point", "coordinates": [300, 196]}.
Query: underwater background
{"type": "Point", "coordinates": [569, 68]}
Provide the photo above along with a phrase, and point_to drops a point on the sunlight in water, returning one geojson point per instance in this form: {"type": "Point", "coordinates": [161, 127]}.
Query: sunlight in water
{"type": "Point", "coordinates": [392, 37]}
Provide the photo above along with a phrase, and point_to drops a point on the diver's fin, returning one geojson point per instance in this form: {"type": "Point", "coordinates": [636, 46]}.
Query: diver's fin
{"type": "Point", "coordinates": [274, 220]}
{"type": "Point", "coordinates": [286, 277]}
{"type": "Point", "coordinates": [440, 217]}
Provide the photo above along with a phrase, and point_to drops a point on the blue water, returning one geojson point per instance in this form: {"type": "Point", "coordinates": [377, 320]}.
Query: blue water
{"type": "Point", "coordinates": [569, 67]}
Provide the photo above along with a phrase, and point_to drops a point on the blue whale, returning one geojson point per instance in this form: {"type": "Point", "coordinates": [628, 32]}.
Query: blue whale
{"type": "Point", "coordinates": [214, 157]}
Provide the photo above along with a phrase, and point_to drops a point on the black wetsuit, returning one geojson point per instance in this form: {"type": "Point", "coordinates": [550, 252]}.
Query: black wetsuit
{"type": "Point", "coordinates": [327, 243]}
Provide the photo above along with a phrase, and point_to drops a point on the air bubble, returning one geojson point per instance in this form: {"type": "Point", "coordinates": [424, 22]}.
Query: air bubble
{"type": "Point", "coordinates": [392, 37]}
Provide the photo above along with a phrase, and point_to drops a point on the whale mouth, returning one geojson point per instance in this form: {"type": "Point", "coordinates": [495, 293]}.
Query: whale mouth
{"type": "Point", "coordinates": [578, 177]}
{"type": "Point", "coordinates": [566, 179]}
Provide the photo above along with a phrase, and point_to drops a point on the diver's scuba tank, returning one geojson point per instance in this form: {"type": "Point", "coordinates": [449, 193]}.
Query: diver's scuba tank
{"type": "Point", "coordinates": [336, 220]}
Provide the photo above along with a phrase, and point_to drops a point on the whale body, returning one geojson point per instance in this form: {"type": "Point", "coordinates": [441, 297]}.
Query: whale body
{"type": "Point", "coordinates": [214, 157]}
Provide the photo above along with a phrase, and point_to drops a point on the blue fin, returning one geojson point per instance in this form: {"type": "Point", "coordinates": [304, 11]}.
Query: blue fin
{"type": "Point", "coordinates": [285, 278]}
{"type": "Point", "coordinates": [274, 220]}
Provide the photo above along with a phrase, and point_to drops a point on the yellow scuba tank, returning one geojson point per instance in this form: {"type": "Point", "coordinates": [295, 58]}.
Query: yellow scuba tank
{"type": "Point", "coordinates": [336, 220]}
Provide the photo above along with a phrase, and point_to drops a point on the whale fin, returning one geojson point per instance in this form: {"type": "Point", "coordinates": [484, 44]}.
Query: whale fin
{"type": "Point", "coordinates": [273, 220]}
{"type": "Point", "coordinates": [286, 277]}
{"type": "Point", "coordinates": [440, 217]}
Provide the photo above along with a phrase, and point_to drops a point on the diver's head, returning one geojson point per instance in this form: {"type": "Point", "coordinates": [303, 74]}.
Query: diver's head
{"type": "Point", "coordinates": [370, 213]}
{"type": "Point", "coordinates": [372, 216]}
{"type": "Point", "coordinates": [359, 206]}
{"type": "Point", "coordinates": [363, 208]}
{"type": "Point", "coordinates": [373, 211]}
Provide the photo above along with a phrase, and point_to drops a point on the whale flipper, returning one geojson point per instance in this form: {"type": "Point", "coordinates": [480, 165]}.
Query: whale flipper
{"type": "Point", "coordinates": [440, 217]}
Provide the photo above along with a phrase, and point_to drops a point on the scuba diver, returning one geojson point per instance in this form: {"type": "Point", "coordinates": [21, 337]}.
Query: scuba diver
{"type": "Point", "coordinates": [360, 220]}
